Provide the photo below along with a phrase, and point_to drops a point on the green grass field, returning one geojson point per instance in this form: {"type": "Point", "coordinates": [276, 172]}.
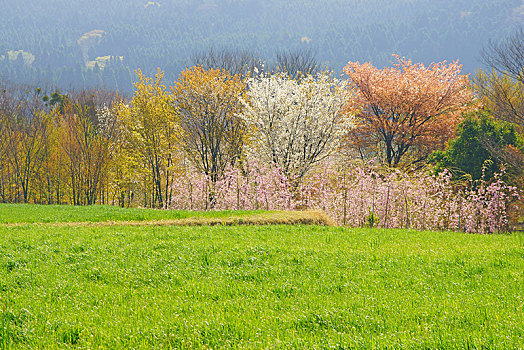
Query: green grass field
{"type": "Point", "coordinates": [255, 287]}
{"type": "Point", "coordinates": [31, 213]}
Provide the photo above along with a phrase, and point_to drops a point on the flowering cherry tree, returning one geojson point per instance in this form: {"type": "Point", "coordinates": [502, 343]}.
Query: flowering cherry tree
{"type": "Point", "coordinates": [358, 194]}
{"type": "Point", "coordinates": [363, 194]}
{"type": "Point", "coordinates": [295, 123]}
{"type": "Point", "coordinates": [407, 108]}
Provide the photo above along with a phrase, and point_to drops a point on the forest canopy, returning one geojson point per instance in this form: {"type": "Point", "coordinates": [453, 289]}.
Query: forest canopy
{"type": "Point", "coordinates": [84, 44]}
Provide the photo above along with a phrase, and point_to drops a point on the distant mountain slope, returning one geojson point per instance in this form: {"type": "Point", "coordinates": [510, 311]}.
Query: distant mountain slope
{"type": "Point", "coordinates": [101, 42]}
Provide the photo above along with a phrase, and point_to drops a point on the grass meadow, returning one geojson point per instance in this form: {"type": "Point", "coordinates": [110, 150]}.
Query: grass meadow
{"type": "Point", "coordinates": [32, 213]}
{"type": "Point", "coordinates": [251, 286]}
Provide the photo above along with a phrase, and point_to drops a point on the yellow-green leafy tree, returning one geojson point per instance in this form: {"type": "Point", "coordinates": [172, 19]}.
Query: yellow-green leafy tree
{"type": "Point", "coordinates": [150, 130]}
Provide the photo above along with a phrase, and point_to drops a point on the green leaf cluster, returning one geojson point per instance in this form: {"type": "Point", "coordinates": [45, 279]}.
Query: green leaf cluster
{"type": "Point", "coordinates": [470, 153]}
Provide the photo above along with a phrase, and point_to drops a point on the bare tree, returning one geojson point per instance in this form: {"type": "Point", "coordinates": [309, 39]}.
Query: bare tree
{"type": "Point", "coordinates": [507, 57]}
{"type": "Point", "coordinates": [509, 155]}
{"type": "Point", "coordinates": [502, 92]}
{"type": "Point", "coordinates": [24, 131]}
{"type": "Point", "coordinates": [86, 141]}
{"type": "Point", "coordinates": [208, 103]}
{"type": "Point", "coordinates": [502, 89]}
{"type": "Point", "coordinates": [235, 62]}
{"type": "Point", "coordinates": [297, 63]}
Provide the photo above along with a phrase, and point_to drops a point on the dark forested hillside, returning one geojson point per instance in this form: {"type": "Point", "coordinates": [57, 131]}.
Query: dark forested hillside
{"type": "Point", "coordinates": [83, 43]}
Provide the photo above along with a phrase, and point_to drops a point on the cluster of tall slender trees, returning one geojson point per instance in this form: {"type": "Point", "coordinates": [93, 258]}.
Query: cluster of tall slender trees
{"type": "Point", "coordinates": [55, 149]}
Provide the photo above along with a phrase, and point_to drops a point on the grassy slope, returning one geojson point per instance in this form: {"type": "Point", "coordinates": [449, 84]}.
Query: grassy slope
{"type": "Point", "coordinates": [259, 287]}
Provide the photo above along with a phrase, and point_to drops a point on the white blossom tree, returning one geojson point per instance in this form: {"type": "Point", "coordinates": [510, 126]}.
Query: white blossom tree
{"type": "Point", "coordinates": [295, 123]}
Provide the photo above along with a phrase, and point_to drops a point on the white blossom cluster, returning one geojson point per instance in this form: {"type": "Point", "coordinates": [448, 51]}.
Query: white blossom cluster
{"type": "Point", "coordinates": [295, 122]}
{"type": "Point", "coordinates": [106, 120]}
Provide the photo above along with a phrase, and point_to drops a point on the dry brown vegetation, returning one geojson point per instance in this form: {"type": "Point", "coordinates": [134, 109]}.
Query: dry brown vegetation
{"type": "Point", "coordinates": [306, 217]}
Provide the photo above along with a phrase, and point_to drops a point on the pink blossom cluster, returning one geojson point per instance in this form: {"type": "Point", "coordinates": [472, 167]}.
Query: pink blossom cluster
{"type": "Point", "coordinates": [249, 187]}
{"type": "Point", "coordinates": [487, 206]}
{"type": "Point", "coordinates": [356, 195]}
{"type": "Point", "coordinates": [361, 195]}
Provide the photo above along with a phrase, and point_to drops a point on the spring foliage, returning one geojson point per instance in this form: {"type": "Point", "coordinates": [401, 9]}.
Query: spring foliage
{"type": "Point", "coordinates": [150, 132]}
{"type": "Point", "coordinates": [475, 150]}
{"type": "Point", "coordinates": [361, 195]}
{"type": "Point", "coordinates": [296, 122]}
{"type": "Point", "coordinates": [408, 108]}
{"type": "Point", "coordinates": [207, 103]}
{"type": "Point", "coordinates": [215, 140]}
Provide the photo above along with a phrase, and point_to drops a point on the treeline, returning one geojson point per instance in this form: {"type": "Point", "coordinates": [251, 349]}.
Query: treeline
{"type": "Point", "coordinates": [56, 149]}
{"type": "Point", "coordinates": [93, 146]}
{"type": "Point", "coordinates": [151, 34]}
